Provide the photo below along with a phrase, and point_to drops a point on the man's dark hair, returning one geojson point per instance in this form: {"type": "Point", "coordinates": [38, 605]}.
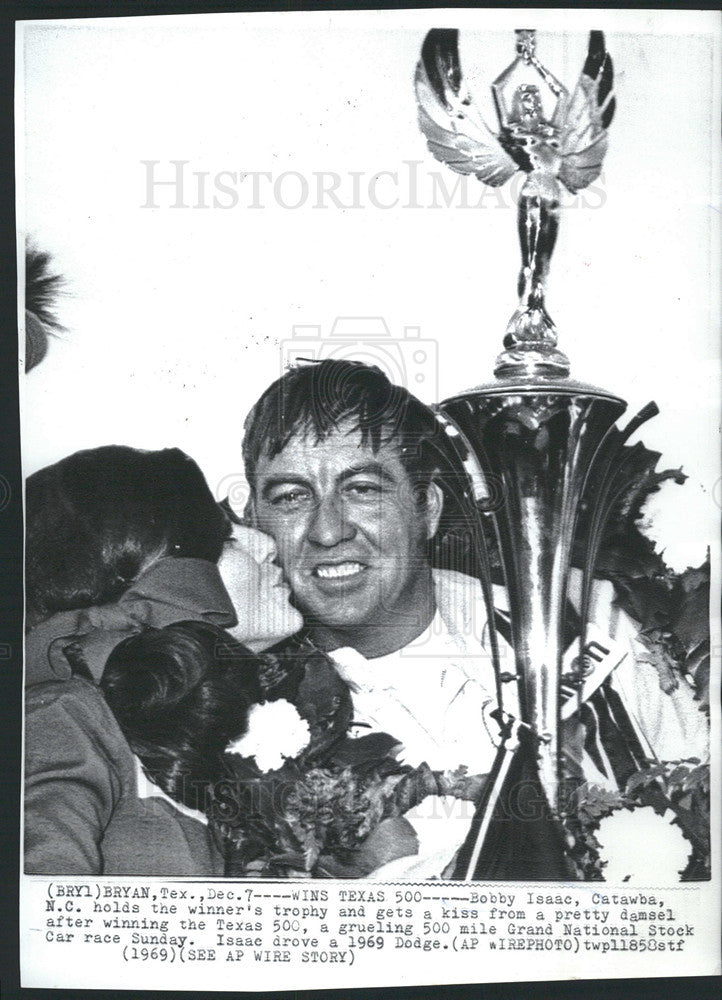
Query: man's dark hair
{"type": "Point", "coordinates": [95, 520]}
{"type": "Point", "coordinates": [316, 398]}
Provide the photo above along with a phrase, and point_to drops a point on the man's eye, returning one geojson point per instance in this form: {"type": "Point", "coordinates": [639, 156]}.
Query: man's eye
{"type": "Point", "coordinates": [289, 499]}
{"type": "Point", "coordinates": [363, 491]}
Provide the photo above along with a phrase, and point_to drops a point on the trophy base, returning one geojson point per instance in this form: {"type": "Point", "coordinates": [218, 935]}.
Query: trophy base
{"type": "Point", "coordinates": [531, 341]}
{"type": "Point", "coordinates": [515, 835]}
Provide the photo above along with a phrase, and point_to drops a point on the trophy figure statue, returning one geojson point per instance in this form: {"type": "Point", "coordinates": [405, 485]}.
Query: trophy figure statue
{"type": "Point", "coordinates": [566, 146]}
{"type": "Point", "coordinates": [535, 431]}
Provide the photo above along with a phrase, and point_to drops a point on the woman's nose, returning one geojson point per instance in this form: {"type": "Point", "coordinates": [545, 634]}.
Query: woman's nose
{"type": "Point", "coordinates": [260, 546]}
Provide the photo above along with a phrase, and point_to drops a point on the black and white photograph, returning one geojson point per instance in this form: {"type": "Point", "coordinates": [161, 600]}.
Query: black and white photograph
{"type": "Point", "coordinates": [370, 426]}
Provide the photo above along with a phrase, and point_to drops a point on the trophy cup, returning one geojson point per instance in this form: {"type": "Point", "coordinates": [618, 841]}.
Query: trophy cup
{"type": "Point", "coordinates": [535, 431]}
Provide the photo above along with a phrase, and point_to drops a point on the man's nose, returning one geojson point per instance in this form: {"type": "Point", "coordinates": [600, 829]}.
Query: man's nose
{"type": "Point", "coordinates": [330, 524]}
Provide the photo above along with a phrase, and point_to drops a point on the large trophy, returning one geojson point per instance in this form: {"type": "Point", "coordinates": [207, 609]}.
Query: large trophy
{"type": "Point", "coordinates": [537, 433]}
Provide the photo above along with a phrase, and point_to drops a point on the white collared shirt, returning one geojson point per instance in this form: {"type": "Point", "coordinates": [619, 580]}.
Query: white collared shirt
{"type": "Point", "coordinates": [429, 696]}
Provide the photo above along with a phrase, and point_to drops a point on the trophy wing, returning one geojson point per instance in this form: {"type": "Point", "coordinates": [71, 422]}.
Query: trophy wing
{"type": "Point", "coordinates": [587, 118]}
{"type": "Point", "coordinates": [455, 131]}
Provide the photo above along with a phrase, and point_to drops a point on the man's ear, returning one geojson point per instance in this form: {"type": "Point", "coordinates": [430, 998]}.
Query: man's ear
{"type": "Point", "coordinates": [434, 507]}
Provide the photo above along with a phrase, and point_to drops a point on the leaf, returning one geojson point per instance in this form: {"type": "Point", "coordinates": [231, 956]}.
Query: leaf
{"type": "Point", "coordinates": [622, 480]}
{"type": "Point", "coordinates": [626, 554]}
{"type": "Point", "coordinates": [647, 600]}
{"type": "Point", "coordinates": [701, 683]}
{"type": "Point", "coordinates": [393, 838]}
{"type": "Point", "coordinates": [639, 780]}
{"type": "Point", "coordinates": [311, 850]}
{"type": "Point", "coordinates": [690, 615]}
{"type": "Point", "coordinates": [678, 775]}
{"type": "Point", "coordinates": [694, 579]}
{"type": "Point", "coordinates": [323, 699]}
{"type": "Point", "coordinates": [658, 655]}
{"type": "Point", "coordinates": [631, 472]}
{"type": "Point", "coordinates": [278, 675]}
{"type": "Point", "coordinates": [372, 748]}
{"type": "Point", "coordinates": [697, 779]}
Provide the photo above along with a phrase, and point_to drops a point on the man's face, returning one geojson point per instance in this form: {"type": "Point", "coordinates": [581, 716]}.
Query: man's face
{"type": "Point", "coordinates": [351, 536]}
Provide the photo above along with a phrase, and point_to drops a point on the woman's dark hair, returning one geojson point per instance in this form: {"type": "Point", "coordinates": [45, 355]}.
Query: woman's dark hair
{"type": "Point", "coordinates": [42, 286]}
{"type": "Point", "coordinates": [180, 695]}
{"type": "Point", "coordinates": [97, 519]}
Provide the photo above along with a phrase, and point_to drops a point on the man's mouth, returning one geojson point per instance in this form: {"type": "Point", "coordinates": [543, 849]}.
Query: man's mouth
{"type": "Point", "coordinates": [338, 571]}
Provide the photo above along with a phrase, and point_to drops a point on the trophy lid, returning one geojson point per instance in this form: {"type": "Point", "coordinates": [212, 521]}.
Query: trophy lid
{"type": "Point", "coordinates": [535, 385]}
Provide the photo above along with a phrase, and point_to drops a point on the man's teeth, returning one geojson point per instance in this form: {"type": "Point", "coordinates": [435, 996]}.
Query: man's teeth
{"type": "Point", "coordinates": [339, 570]}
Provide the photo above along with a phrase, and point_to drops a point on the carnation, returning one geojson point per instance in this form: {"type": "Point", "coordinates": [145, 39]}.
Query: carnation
{"type": "Point", "coordinates": [673, 518]}
{"type": "Point", "coordinates": [276, 732]}
{"type": "Point", "coordinates": [642, 847]}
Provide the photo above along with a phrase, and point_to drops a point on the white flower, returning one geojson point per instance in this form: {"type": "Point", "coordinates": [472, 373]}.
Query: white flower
{"type": "Point", "coordinates": [680, 520]}
{"type": "Point", "coordinates": [275, 731]}
{"type": "Point", "coordinates": [642, 847]}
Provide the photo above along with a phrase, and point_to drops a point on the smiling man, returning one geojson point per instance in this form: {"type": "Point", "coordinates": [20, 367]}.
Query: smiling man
{"type": "Point", "coordinates": [341, 465]}
{"type": "Point", "coordinates": [352, 535]}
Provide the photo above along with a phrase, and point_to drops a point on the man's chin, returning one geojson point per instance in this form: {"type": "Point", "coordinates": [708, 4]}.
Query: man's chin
{"type": "Point", "coordinates": [335, 615]}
